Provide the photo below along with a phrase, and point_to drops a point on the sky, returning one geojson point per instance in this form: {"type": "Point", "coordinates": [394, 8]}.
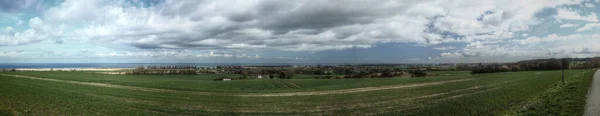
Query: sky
{"type": "Point", "coordinates": [296, 31]}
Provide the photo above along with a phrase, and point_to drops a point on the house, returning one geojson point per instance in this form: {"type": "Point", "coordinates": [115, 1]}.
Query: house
{"type": "Point", "coordinates": [259, 76]}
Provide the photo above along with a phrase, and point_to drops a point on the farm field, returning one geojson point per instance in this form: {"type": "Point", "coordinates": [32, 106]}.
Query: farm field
{"type": "Point", "coordinates": [451, 93]}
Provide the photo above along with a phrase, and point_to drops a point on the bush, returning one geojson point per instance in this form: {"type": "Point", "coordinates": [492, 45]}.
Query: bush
{"type": "Point", "coordinates": [418, 73]}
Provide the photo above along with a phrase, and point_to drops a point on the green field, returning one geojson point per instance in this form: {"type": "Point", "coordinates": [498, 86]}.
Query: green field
{"type": "Point", "coordinates": [451, 93]}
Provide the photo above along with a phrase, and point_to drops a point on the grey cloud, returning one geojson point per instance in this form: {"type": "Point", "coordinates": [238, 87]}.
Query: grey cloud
{"type": "Point", "coordinates": [282, 17]}
{"type": "Point", "coordinates": [586, 51]}
{"type": "Point", "coordinates": [15, 5]}
{"type": "Point", "coordinates": [302, 25]}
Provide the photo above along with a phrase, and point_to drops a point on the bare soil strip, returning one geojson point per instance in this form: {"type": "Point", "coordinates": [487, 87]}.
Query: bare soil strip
{"type": "Point", "coordinates": [354, 90]}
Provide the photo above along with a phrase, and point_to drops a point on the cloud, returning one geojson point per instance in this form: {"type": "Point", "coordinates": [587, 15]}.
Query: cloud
{"type": "Point", "coordinates": [589, 5]}
{"type": "Point", "coordinates": [191, 29]}
{"type": "Point", "coordinates": [551, 46]}
{"type": "Point", "coordinates": [568, 25]}
{"type": "Point", "coordinates": [19, 22]}
{"type": "Point", "coordinates": [16, 5]}
{"type": "Point", "coordinates": [444, 48]}
{"type": "Point", "coordinates": [38, 32]}
{"type": "Point", "coordinates": [292, 25]}
{"type": "Point", "coordinates": [549, 38]}
{"type": "Point", "coordinates": [588, 27]}
{"type": "Point", "coordinates": [476, 49]}
{"type": "Point", "coordinates": [565, 14]}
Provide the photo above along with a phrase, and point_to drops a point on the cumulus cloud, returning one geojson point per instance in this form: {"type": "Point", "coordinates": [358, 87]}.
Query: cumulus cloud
{"type": "Point", "coordinates": [588, 27]}
{"type": "Point", "coordinates": [162, 29]}
{"type": "Point", "coordinates": [38, 32]}
{"type": "Point", "coordinates": [589, 5]}
{"type": "Point", "coordinates": [476, 49]}
{"type": "Point", "coordinates": [294, 25]}
{"type": "Point", "coordinates": [19, 22]}
{"type": "Point", "coordinates": [551, 46]}
{"type": "Point", "coordinates": [568, 25]}
{"type": "Point", "coordinates": [16, 5]}
{"type": "Point", "coordinates": [444, 48]}
{"type": "Point", "coordinates": [549, 38]}
{"type": "Point", "coordinates": [565, 14]}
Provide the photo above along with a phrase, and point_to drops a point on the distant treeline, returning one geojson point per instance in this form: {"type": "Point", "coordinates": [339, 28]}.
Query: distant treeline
{"type": "Point", "coordinates": [169, 67]}
{"type": "Point", "coordinates": [164, 70]}
{"type": "Point", "coordinates": [265, 75]}
{"type": "Point", "coordinates": [161, 72]}
{"type": "Point", "coordinates": [538, 64]}
{"type": "Point", "coordinates": [381, 74]}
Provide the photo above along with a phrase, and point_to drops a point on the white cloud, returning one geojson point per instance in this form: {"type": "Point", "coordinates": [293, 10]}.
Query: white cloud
{"type": "Point", "coordinates": [19, 23]}
{"type": "Point", "coordinates": [551, 46]}
{"type": "Point", "coordinates": [38, 32]}
{"type": "Point", "coordinates": [549, 38]}
{"type": "Point", "coordinates": [254, 25]}
{"type": "Point", "coordinates": [292, 25]}
{"type": "Point", "coordinates": [444, 48]}
{"type": "Point", "coordinates": [565, 14]}
{"type": "Point", "coordinates": [589, 5]}
{"type": "Point", "coordinates": [588, 27]}
{"type": "Point", "coordinates": [36, 23]}
{"type": "Point", "coordinates": [568, 25]}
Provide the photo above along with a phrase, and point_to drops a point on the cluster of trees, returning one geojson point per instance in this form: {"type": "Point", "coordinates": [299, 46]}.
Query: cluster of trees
{"type": "Point", "coordinates": [227, 77]}
{"type": "Point", "coordinates": [8, 70]}
{"type": "Point", "coordinates": [164, 70]}
{"type": "Point", "coordinates": [492, 68]}
{"type": "Point", "coordinates": [264, 74]}
{"type": "Point", "coordinates": [284, 75]}
{"type": "Point", "coordinates": [386, 73]}
{"type": "Point", "coordinates": [161, 72]}
{"type": "Point", "coordinates": [314, 71]}
{"type": "Point", "coordinates": [168, 67]}
{"type": "Point", "coordinates": [529, 65]}
{"type": "Point", "coordinates": [418, 73]}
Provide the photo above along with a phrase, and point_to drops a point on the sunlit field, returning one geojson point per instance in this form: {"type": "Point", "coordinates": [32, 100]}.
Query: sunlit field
{"type": "Point", "coordinates": [449, 93]}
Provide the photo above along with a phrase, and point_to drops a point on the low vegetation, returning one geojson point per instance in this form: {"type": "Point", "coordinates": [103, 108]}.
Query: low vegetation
{"type": "Point", "coordinates": [536, 65]}
{"type": "Point", "coordinates": [562, 99]}
{"type": "Point", "coordinates": [450, 93]}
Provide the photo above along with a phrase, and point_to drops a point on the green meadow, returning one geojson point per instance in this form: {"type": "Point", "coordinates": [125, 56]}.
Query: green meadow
{"type": "Point", "coordinates": [449, 93]}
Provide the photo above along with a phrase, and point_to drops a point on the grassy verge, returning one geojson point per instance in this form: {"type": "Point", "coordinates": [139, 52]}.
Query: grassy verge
{"type": "Point", "coordinates": [562, 99]}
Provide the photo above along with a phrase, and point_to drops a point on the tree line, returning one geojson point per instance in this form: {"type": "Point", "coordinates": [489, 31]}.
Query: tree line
{"type": "Point", "coordinates": [531, 65]}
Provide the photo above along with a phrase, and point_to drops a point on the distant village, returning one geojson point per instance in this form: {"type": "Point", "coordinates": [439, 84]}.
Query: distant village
{"type": "Point", "coordinates": [344, 71]}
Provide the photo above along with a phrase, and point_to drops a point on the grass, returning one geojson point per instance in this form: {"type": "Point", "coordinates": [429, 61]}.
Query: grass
{"type": "Point", "coordinates": [206, 83]}
{"type": "Point", "coordinates": [482, 94]}
{"type": "Point", "coordinates": [562, 99]}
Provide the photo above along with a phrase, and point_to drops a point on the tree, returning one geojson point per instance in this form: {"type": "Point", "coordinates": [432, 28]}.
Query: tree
{"type": "Point", "coordinates": [244, 74]}
{"type": "Point", "coordinates": [418, 73]}
{"type": "Point", "coordinates": [282, 75]}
